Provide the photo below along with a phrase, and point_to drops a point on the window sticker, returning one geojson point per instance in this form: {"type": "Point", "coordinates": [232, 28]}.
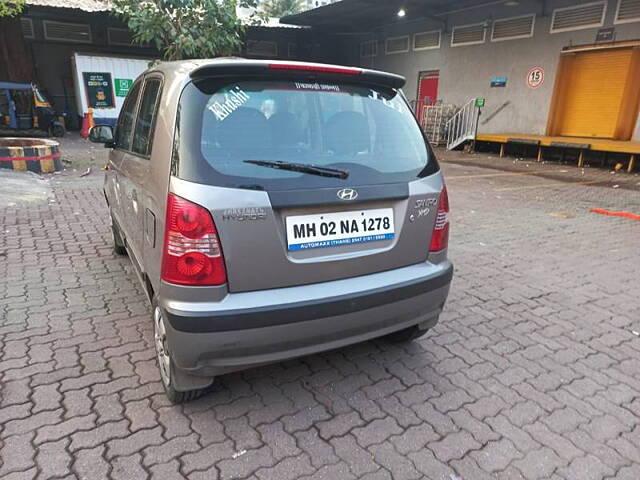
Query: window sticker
{"type": "Point", "coordinates": [317, 87]}
{"type": "Point", "coordinates": [389, 103]}
{"type": "Point", "coordinates": [235, 98]}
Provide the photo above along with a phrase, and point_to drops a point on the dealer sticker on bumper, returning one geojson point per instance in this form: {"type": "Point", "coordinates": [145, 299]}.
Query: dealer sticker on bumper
{"type": "Point", "coordinates": [338, 229]}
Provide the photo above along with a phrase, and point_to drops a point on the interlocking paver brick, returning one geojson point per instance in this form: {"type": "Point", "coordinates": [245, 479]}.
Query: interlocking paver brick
{"type": "Point", "coordinates": [50, 433]}
{"type": "Point", "coordinates": [54, 458]}
{"type": "Point", "coordinates": [242, 434]}
{"type": "Point", "coordinates": [31, 423]}
{"type": "Point", "coordinates": [486, 407]}
{"type": "Point", "coordinates": [413, 439]}
{"type": "Point", "coordinates": [564, 420]}
{"type": "Point", "coordinates": [99, 435]}
{"type": "Point", "coordinates": [169, 471]}
{"type": "Point", "coordinates": [134, 442]}
{"type": "Point", "coordinates": [360, 461]}
{"type": "Point", "coordinates": [247, 463]}
{"type": "Point", "coordinates": [604, 453]}
{"type": "Point", "coordinates": [140, 415]}
{"type": "Point", "coordinates": [481, 431]}
{"type": "Point", "coordinates": [331, 472]}
{"type": "Point", "coordinates": [425, 461]}
{"type": "Point", "coordinates": [454, 446]}
{"type": "Point", "coordinates": [290, 468]}
{"type": "Point", "coordinates": [339, 425]}
{"type": "Point", "coordinates": [174, 422]}
{"type": "Point", "coordinates": [377, 431]}
{"type": "Point", "coordinates": [17, 453]}
{"type": "Point", "coordinates": [403, 415]}
{"type": "Point", "coordinates": [496, 455]}
{"type": "Point", "coordinates": [539, 463]}
{"type": "Point", "coordinates": [320, 452]}
{"type": "Point", "coordinates": [126, 468]}
{"type": "Point", "coordinates": [282, 443]}
{"type": "Point", "coordinates": [90, 464]}
{"type": "Point", "coordinates": [586, 468]}
{"type": "Point", "coordinates": [401, 467]}
{"type": "Point", "coordinates": [167, 451]}
{"type": "Point", "coordinates": [441, 423]}
{"type": "Point", "coordinates": [533, 367]}
{"type": "Point", "coordinates": [205, 458]}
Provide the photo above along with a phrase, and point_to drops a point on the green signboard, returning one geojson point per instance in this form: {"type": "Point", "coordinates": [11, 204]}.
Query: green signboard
{"type": "Point", "coordinates": [480, 102]}
{"type": "Point", "coordinates": [99, 89]}
{"type": "Point", "coordinates": [122, 86]}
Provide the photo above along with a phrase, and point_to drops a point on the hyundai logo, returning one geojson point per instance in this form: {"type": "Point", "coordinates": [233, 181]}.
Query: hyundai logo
{"type": "Point", "coordinates": [347, 194]}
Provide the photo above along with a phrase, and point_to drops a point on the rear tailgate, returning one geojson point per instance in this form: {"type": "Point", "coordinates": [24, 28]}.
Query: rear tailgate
{"type": "Point", "coordinates": [242, 128]}
{"type": "Point", "coordinates": [257, 250]}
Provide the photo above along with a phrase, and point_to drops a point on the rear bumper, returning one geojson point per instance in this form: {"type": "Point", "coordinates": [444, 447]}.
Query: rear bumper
{"type": "Point", "coordinates": [254, 328]}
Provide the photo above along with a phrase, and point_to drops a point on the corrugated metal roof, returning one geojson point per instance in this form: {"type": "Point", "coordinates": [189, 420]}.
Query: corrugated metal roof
{"type": "Point", "coordinates": [84, 5]}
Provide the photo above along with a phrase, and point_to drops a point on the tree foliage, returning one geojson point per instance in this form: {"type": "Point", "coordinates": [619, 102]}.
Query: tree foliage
{"type": "Point", "coordinates": [11, 8]}
{"type": "Point", "coordinates": [281, 8]}
{"type": "Point", "coordinates": [186, 28]}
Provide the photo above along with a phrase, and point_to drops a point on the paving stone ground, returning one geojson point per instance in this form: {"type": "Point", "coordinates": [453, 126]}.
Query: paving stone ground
{"type": "Point", "coordinates": [532, 373]}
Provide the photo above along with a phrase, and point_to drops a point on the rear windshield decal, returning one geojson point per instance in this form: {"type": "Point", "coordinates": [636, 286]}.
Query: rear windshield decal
{"type": "Point", "coordinates": [235, 98]}
{"type": "Point", "coordinates": [317, 86]}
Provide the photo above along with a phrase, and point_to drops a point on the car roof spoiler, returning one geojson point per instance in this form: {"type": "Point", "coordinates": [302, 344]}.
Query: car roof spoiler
{"type": "Point", "coordinates": [297, 70]}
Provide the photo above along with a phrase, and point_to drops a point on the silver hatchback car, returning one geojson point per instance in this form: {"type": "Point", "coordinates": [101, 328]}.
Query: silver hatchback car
{"type": "Point", "coordinates": [273, 210]}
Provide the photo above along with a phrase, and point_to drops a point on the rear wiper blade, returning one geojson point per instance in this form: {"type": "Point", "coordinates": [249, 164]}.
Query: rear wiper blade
{"type": "Point", "coordinates": [302, 168]}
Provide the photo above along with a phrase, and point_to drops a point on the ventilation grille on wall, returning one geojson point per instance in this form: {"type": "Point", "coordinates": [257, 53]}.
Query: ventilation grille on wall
{"type": "Point", "coordinates": [369, 49]}
{"type": "Point", "coordinates": [426, 40]}
{"type": "Point", "coordinates": [397, 45]}
{"type": "Point", "coordinates": [262, 48]}
{"type": "Point", "coordinates": [628, 11]}
{"type": "Point", "coordinates": [27, 27]}
{"type": "Point", "coordinates": [512, 28]}
{"type": "Point", "coordinates": [468, 35]}
{"type": "Point", "coordinates": [67, 32]}
{"type": "Point", "coordinates": [589, 15]}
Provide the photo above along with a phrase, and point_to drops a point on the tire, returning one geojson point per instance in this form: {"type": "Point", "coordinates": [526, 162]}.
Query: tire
{"type": "Point", "coordinates": [57, 130]}
{"type": "Point", "coordinates": [118, 243]}
{"type": "Point", "coordinates": [406, 335]}
{"type": "Point", "coordinates": [168, 372]}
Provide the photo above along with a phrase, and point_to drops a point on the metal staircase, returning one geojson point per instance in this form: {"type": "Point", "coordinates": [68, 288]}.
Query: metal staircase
{"type": "Point", "coordinates": [463, 126]}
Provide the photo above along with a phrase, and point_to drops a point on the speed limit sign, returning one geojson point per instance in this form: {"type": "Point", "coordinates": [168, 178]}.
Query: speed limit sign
{"type": "Point", "coordinates": [535, 77]}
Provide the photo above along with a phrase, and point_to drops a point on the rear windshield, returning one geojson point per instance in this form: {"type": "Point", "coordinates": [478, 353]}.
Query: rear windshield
{"type": "Point", "coordinates": [224, 128]}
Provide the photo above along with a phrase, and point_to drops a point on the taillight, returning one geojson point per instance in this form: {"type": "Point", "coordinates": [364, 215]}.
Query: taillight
{"type": "Point", "coordinates": [440, 235]}
{"type": "Point", "coordinates": [192, 254]}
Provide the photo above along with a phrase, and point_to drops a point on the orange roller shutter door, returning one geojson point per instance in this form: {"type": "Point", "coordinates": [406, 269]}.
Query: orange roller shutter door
{"type": "Point", "coordinates": [592, 100]}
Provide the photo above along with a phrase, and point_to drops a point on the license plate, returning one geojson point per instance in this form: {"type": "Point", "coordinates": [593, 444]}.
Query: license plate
{"type": "Point", "coordinates": [340, 228]}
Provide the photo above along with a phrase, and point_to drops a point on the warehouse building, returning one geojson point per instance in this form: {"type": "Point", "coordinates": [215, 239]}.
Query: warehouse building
{"type": "Point", "coordinates": [548, 70]}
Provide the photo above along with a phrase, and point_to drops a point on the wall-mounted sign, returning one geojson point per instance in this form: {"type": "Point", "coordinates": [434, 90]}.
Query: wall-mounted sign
{"type": "Point", "coordinates": [99, 89]}
{"type": "Point", "coordinates": [499, 82]}
{"type": "Point", "coordinates": [122, 86]}
{"type": "Point", "coordinates": [535, 77]}
{"type": "Point", "coordinates": [606, 35]}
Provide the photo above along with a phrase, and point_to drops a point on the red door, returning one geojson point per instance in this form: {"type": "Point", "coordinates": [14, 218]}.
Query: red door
{"type": "Point", "coordinates": [427, 91]}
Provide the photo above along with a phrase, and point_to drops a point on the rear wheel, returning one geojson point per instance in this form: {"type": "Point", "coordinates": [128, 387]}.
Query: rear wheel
{"type": "Point", "coordinates": [406, 335]}
{"type": "Point", "coordinates": [118, 243]}
{"type": "Point", "coordinates": [57, 130]}
{"type": "Point", "coordinates": [169, 375]}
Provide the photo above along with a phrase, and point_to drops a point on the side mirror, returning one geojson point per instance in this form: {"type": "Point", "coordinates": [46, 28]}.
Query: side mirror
{"type": "Point", "coordinates": [102, 134]}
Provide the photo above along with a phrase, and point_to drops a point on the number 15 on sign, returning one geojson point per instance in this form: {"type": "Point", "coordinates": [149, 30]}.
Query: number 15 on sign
{"type": "Point", "coordinates": [535, 77]}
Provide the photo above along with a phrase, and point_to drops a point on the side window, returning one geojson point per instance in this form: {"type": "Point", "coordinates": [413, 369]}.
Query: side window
{"type": "Point", "coordinates": [126, 118]}
{"type": "Point", "coordinates": [146, 117]}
